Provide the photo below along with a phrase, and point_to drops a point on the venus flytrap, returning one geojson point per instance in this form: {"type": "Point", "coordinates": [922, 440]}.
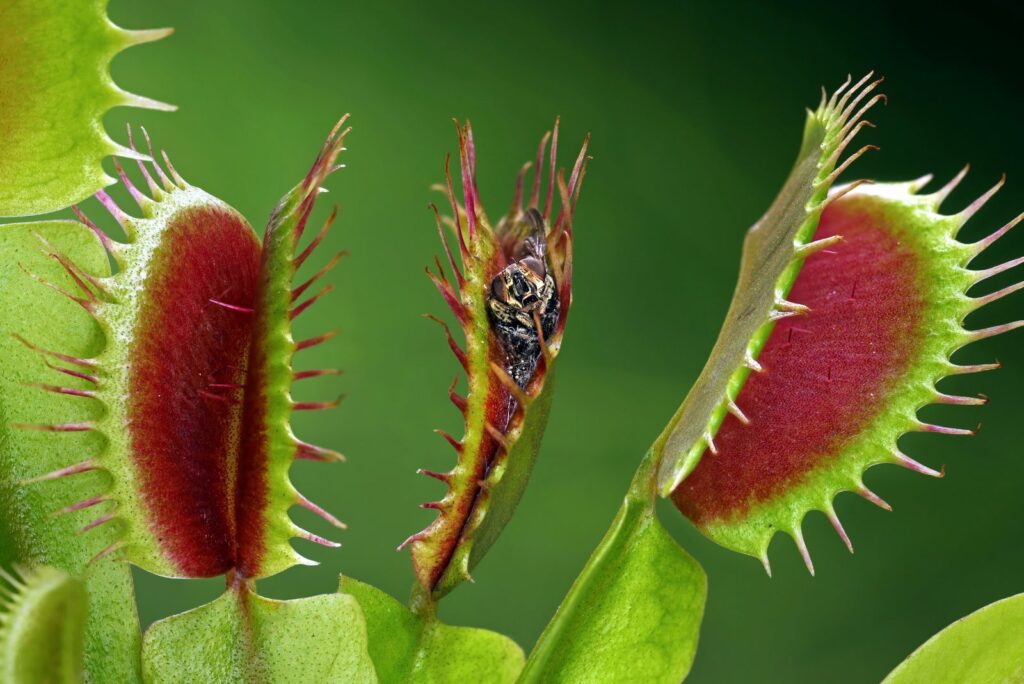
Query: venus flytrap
{"type": "Point", "coordinates": [849, 304]}
{"type": "Point", "coordinates": [510, 291]}
{"type": "Point", "coordinates": [147, 409]}
{"type": "Point", "coordinates": [255, 638]}
{"type": "Point", "coordinates": [197, 366]}
{"type": "Point", "coordinates": [188, 405]}
{"type": "Point", "coordinates": [886, 306]}
{"type": "Point", "coordinates": [511, 297]}
{"type": "Point", "coordinates": [638, 577]}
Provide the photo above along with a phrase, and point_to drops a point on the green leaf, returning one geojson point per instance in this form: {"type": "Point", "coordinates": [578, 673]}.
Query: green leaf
{"type": "Point", "coordinates": [55, 87]}
{"type": "Point", "coordinates": [32, 534]}
{"type": "Point", "coordinates": [773, 252]}
{"type": "Point", "coordinates": [985, 647]}
{"type": "Point", "coordinates": [42, 620]}
{"type": "Point", "coordinates": [634, 613]}
{"type": "Point", "coordinates": [245, 638]}
{"type": "Point", "coordinates": [419, 649]}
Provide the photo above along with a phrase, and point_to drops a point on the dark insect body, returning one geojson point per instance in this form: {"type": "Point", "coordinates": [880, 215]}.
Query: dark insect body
{"type": "Point", "coordinates": [520, 296]}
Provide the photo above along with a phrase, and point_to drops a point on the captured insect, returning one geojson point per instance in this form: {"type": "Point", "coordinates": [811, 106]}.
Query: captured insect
{"type": "Point", "coordinates": [522, 298]}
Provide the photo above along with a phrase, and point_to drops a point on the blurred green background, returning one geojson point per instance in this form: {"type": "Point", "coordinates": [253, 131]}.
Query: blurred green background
{"type": "Point", "coordinates": [696, 111]}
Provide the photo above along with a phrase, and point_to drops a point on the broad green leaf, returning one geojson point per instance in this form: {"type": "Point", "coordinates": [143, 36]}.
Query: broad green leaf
{"type": "Point", "coordinates": [986, 647]}
{"type": "Point", "coordinates": [419, 649]}
{"type": "Point", "coordinates": [508, 401]}
{"type": "Point", "coordinates": [634, 613]}
{"type": "Point", "coordinates": [773, 252]}
{"type": "Point", "coordinates": [42, 620]}
{"type": "Point", "coordinates": [55, 87]}
{"type": "Point", "coordinates": [31, 532]}
{"type": "Point", "coordinates": [244, 638]}
{"type": "Point", "coordinates": [845, 380]}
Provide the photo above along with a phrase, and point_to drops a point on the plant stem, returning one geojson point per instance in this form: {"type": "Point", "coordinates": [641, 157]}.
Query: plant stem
{"type": "Point", "coordinates": [636, 512]}
{"type": "Point", "coordinates": [422, 603]}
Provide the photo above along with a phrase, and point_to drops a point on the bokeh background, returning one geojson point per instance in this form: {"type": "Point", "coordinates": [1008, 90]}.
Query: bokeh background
{"type": "Point", "coordinates": [696, 111]}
